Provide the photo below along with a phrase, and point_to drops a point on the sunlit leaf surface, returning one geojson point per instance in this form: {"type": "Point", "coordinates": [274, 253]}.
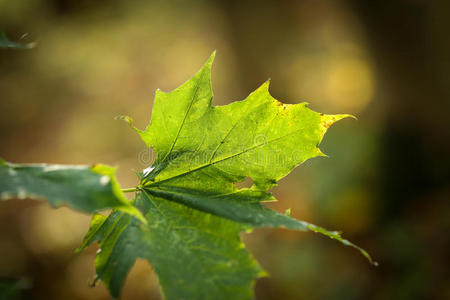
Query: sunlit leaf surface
{"type": "Point", "coordinates": [193, 209]}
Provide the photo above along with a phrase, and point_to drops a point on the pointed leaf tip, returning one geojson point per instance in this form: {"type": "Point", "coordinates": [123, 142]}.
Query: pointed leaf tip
{"type": "Point", "coordinates": [266, 84]}
{"type": "Point", "coordinates": [328, 120]}
{"type": "Point", "coordinates": [211, 58]}
{"type": "Point", "coordinates": [320, 153]}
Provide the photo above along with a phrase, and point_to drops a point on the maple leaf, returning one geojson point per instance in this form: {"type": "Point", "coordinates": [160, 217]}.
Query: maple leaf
{"type": "Point", "coordinates": [193, 208]}
{"type": "Point", "coordinates": [84, 188]}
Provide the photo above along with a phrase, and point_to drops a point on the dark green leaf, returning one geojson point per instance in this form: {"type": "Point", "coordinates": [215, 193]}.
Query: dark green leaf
{"type": "Point", "coordinates": [84, 188]}
{"type": "Point", "coordinates": [196, 255]}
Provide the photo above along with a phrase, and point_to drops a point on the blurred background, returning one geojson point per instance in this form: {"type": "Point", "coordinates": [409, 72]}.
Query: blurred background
{"type": "Point", "coordinates": [385, 185]}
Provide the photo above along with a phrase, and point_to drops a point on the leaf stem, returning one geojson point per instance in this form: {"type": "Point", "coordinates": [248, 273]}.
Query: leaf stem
{"type": "Point", "coordinates": [129, 190]}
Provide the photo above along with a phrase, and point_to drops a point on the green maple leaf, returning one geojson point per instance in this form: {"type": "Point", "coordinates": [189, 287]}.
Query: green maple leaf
{"type": "Point", "coordinates": [84, 188]}
{"type": "Point", "coordinates": [193, 209]}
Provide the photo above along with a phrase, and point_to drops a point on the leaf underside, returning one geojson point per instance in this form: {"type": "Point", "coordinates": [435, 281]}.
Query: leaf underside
{"type": "Point", "coordinates": [194, 211]}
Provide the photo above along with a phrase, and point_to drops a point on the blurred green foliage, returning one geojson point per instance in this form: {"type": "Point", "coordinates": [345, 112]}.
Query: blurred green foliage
{"type": "Point", "coordinates": [6, 43]}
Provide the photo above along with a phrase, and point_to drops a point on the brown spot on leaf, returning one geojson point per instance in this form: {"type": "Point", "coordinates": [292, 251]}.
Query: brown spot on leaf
{"type": "Point", "coordinates": [329, 122]}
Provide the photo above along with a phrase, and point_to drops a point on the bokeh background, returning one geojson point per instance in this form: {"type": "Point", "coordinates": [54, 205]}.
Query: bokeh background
{"type": "Point", "coordinates": [385, 185]}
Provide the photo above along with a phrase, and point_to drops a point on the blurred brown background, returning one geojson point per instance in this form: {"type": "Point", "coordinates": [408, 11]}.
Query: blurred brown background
{"type": "Point", "coordinates": [386, 183]}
